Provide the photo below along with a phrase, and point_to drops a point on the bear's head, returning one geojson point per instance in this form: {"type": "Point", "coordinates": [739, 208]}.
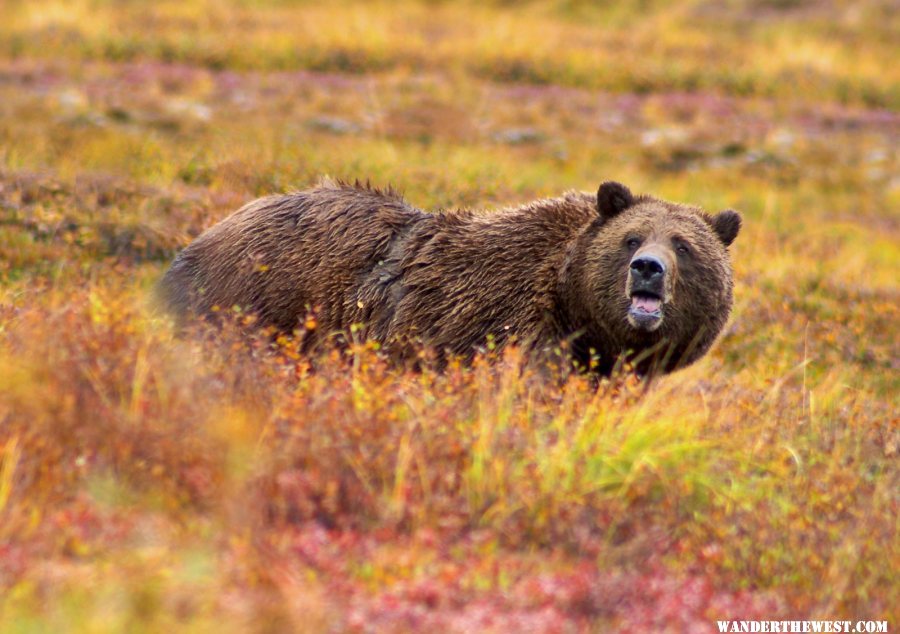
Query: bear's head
{"type": "Point", "coordinates": [656, 278]}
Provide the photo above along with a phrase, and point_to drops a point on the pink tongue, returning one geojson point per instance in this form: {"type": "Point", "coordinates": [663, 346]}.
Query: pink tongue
{"type": "Point", "coordinates": [645, 304]}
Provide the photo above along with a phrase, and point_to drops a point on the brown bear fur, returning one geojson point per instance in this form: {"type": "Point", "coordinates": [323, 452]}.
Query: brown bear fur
{"type": "Point", "coordinates": [551, 275]}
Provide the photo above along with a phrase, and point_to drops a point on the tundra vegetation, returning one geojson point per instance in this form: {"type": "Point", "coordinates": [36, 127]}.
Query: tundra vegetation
{"type": "Point", "coordinates": [220, 482]}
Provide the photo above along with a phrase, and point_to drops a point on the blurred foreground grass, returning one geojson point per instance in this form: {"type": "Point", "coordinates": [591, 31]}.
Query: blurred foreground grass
{"type": "Point", "coordinates": [149, 481]}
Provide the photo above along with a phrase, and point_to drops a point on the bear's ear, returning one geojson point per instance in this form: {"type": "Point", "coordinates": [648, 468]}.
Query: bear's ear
{"type": "Point", "coordinates": [726, 224]}
{"type": "Point", "coordinates": [612, 199]}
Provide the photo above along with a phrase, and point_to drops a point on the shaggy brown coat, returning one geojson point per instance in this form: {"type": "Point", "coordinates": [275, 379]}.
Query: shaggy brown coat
{"type": "Point", "coordinates": [552, 275]}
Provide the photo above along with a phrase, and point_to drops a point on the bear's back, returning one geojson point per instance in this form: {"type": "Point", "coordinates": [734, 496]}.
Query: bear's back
{"type": "Point", "coordinates": [489, 275]}
{"type": "Point", "coordinates": [281, 256]}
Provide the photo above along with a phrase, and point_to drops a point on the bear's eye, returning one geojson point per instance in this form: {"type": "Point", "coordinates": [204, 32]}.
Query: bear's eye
{"type": "Point", "coordinates": [682, 249]}
{"type": "Point", "coordinates": [633, 243]}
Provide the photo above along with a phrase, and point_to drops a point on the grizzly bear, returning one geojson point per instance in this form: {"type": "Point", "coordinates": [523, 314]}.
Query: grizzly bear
{"type": "Point", "coordinates": [600, 279]}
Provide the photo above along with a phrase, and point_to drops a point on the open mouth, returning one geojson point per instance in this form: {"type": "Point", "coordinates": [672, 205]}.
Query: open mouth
{"type": "Point", "coordinates": [645, 312]}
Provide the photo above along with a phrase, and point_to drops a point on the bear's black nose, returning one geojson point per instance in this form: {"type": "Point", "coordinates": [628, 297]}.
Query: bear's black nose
{"type": "Point", "coordinates": [648, 267]}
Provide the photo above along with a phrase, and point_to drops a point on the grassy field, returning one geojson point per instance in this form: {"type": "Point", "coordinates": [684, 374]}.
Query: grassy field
{"type": "Point", "coordinates": [150, 482]}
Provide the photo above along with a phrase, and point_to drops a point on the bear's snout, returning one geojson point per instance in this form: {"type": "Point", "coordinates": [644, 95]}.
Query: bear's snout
{"type": "Point", "coordinates": [648, 270]}
{"type": "Point", "coordinates": [647, 290]}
